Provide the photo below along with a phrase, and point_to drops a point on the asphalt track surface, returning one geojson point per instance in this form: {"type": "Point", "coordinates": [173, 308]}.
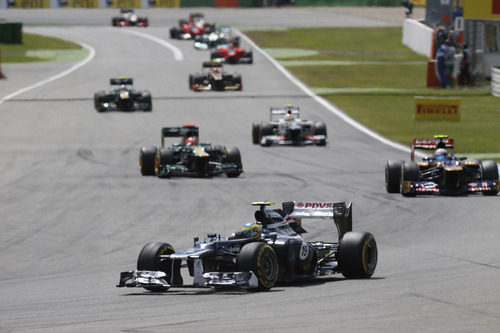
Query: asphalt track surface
{"type": "Point", "coordinates": [75, 210]}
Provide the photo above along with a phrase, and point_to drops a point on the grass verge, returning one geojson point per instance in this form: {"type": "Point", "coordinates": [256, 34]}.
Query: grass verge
{"type": "Point", "coordinates": [40, 48]}
{"type": "Point", "coordinates": [381, 95]}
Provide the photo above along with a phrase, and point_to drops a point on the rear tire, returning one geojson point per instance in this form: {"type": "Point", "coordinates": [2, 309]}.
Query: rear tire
{"type": "Point", "coordinates": [319, 128]}
{"type": "Point", "coordinates": [149, 260]}
{"type": "Point", "coordinates": [393, 176]}
{"type": "Point", "coordinates": [147, 161]}
{"type": "Point", "coordinates": [357, 255]}
{"type": "Point", "coordinates": [261, 259]}
{"type": "Point", "coordinates": [489, 171]}
{"type": "Point", "coordinates": [410, 172]}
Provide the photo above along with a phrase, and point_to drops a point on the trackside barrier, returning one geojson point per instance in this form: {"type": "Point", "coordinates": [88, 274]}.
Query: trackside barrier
{"type": "Point", "coordinates": [418, 37]}
{"type": "Point", "coordinates": [495, 81]}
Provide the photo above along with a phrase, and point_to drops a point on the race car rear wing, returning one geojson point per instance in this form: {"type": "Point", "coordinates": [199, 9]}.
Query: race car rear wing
{"type": "Point", "coordinates": [439, 141]}
{"type": "Point", "coordinates": [341, 212]}
{"type": "Point", "coordinates": [121, 80]}
{"type": "Point", "coordinates": [280, 112]}
{"type": "Point", "coordinates": [211, 64]}
{"type": "Point", "coordinates": [184, 132]}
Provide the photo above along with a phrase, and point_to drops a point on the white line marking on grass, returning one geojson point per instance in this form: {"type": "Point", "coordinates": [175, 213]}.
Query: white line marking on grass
{"type": "Point", "coordinates": [177, 52]}
{"type": "Point", "coordinates": [333, 109]}
{"type": "Point", "coordinates": [55, 77]}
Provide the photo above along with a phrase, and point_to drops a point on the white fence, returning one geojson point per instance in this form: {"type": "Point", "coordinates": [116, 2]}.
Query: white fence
{"type": "Point", "coordinates": [495, 81]}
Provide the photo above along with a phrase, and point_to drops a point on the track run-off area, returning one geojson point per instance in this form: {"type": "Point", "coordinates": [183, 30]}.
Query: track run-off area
{"type": "Point", "coordinates": [76, 210]}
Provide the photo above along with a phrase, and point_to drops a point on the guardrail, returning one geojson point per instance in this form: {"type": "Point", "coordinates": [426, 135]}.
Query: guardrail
{"type": "Point", "coordinates": [495, 81]}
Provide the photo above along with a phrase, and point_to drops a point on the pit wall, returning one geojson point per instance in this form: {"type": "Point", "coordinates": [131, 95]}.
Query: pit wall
{"type": "Point", "coordinates": [193, 3]}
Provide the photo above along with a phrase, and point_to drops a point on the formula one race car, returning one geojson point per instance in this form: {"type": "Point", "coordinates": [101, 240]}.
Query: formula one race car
{"type": "Point", "coordinates": [262, 253]}
{"type": "Point", "coordinates": [129, 18]}
{"type": "Point", "coordinates": [441, 173]}
{"type": "Point", "coordinates": [193, 26]}
{"type": "Point", "coordinates": [189, 157]}
{"type": "Point", "coordinates": [123, 98]}
{"type": "Point", "coordinates": [286, 128]}
{"type": "Point", "coordinates": [214, 79]}
{"type": "Point", "coordinates": [221, 35]}
{"type": "Point", "coordinates": [231, 54]}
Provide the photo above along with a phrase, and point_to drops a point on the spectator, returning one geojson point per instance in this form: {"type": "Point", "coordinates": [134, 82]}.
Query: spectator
{"type": "Point", "coordinates": [465, 76]}
{"type": "Point", "coordinates": [408, 5]}
{"type": "Point", "coordinates": [441, 64]}
{"type": "Point", "coordinates": [450, 63]}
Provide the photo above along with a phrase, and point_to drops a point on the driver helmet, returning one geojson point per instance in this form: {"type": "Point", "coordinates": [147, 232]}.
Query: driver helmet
{"type": "Point", "coordinates": [288, 118]}
{"type": "Point", "coordinates": [191, 141]}
{"type": "Point", "coordinates": [440, 154]}
{"type": "Point", "coordinates": [251, 230]}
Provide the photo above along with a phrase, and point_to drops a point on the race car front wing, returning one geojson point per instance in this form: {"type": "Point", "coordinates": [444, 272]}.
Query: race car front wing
{"type": "Point", "coordinates": [427, 187]}
{"type": "Point", "coordinates": [268, 140]}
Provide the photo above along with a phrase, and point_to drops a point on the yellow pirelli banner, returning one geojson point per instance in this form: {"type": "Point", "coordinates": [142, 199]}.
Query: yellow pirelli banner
{"type": "Point", "coordinates": [435, 108]}
{"type": "Point", "coordinates": [83, 4]}
{"type": "Point", "coordinates": [482, 9]}
{"type": "Point", "coordinates": [31, 4]}
{"type": "Point", "coordinates": [125, 4]}
{"type": "Point", "coordinates": [167, 4]}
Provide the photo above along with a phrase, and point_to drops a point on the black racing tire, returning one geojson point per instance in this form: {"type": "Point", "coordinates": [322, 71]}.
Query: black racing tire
{"type": "Point", "coordinates": [148, 100]}
{"type": "Point", "coordinates": [266, 129]}
{"type": "Point", "coordinates": [261, 259]}
{"type": "Point", "coordinates": [237, 80]}
{"type": "Point", "coordinates": [149, 260]}
{"type": "Point", "coordinates": [99, 97]}
{"type": "Point", "coordinates": [489, 171]}
{"type": "Point", "coordinates": [114, 21]}
{"type": "Point", "coordinates": [233, 156]}
{"type": "Point", "coordinates": [319, 128]}
{"type": "Point", "coordinates": [250, 55]}
{"type": "Point", "coordinates": [410, 172]}
{"type": "Point", "coordinates": [164, 156]}
{"type": "Point", "coordinates": [393, 176]}
{"type": "Point", "coordinates": [256, 128]}
{"type": "Point", "coordinates": [191, 81]}
{"type": "Point", "coordinates": [357, 255]}
{"type": "Point", "coordinates": [174, 33]}
{"type": "Point", "coordinates": [147, 160]}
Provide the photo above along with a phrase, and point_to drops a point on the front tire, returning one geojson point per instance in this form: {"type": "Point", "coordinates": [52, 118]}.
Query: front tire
{"type": "Point", "coordinates": [261, 259]}
{"type": "Point", "coordinates": [393, 176]}
{"type": "Point", "coordinates": [256, 128]}
{"type": "Point", "coordinates": [489, 171]}
{"type": "Point", "coordinates": [149, 260]}
{"type": "Point", "coordinates": [147, 161]}
{"type": "Point", "coordinates": [410, 172]}
{"type": "Point", "coordinates": [357, 255]}
{"type": "Point", "coordinates": [233, 156]}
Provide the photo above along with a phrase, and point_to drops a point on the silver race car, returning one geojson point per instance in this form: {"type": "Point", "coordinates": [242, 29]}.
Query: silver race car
{"type": "Point", "coordinates": [286, 128]}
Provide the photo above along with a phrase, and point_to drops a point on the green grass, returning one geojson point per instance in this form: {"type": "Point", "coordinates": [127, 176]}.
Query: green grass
{"type": "Point", "coordinates": [27, 51]}
{"type": "Point", "coordinates": [388, 111]}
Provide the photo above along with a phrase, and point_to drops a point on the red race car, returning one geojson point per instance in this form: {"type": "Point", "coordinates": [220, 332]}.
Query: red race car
{"type": "Point", "coordinates": [195, 25]}
{"type": "Point", "coordinates": [231, 54]}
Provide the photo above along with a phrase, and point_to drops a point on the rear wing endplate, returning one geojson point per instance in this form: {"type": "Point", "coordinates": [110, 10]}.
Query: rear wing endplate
{"type": "Point", "coordinates": [439, 141]}
{"type": "Point", "coordinates": [121, 80]}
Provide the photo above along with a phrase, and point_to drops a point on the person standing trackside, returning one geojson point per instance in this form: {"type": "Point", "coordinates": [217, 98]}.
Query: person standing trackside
{"type": "Point", "coordinates": [441, 64]}
{"type": "Point", "coordinates": [465, 77]}
{"type": "Point", "coordinates": [408, 5]}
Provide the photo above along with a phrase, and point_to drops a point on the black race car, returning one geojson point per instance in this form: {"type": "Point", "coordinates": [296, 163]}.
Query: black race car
{"type": "Point", "coordinates": [262, 253]}
{"type": "Point", "coordinates": [286, 128]}
{"type": "Point", "coordinates": [214, 77]}
{"type": "Point", "coordinates": [129, 18]}
{"type": "Point", "coordinates": [189, 157]}
{"type": "Point", "coordinates": [123, 98]}
{"type": "Point", "coordinates": [441, 173]}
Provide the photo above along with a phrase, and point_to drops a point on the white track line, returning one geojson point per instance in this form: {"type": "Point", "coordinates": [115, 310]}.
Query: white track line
{"type": "Point", "coordinates": [333, 109]}
{"type": "Point", "coordinates": [177, 52]}
{"type": "Point", "coordinates": [55, 77]}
